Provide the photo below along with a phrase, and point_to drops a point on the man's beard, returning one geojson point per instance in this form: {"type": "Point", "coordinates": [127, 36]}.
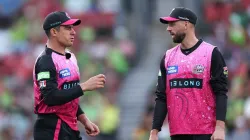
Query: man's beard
{"type": "Point", "coordinates": [179, 37]}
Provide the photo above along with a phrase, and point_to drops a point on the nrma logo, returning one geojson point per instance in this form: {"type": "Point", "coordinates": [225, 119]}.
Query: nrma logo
{"type": "Point", "coordinates": [172, 69]}
{"type": "Point", "coordinates": [64, 73]}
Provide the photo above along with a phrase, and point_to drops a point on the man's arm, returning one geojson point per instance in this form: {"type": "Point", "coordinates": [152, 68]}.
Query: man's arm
{"type": "Point", "coordinates": [160, 110]}
{"type": "Point", "coordinates": [79, 112]}
{"type": "Point", "coordinates": [219, 83]}
{"type": "Point", "coordinates": [45, 73]}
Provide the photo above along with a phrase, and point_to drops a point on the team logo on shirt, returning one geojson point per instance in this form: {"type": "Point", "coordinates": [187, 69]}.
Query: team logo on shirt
{"type": "Point", "coordinates": [198, 69]}
{"type": "Point", "coordinates": [172, 69]}
{"type": "Point", "coordinates": [42, 84]}
{"type": "Point", "coordinates": [64, 73]}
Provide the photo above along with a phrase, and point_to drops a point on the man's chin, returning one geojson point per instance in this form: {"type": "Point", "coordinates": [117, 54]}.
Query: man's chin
{"type": "Point", "coordinates": [70, 45]}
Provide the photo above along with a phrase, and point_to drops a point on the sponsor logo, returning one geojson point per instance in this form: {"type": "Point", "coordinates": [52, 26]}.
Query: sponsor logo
{"type": "Point", "coordinates": [64, 73]}
{"type": "Point", "coordinates": [225, 71]}
{"type": "Point", "coordinates": [56, 23]}
{"type": "Point", "coordinates": [69, 85]}
{"type": "Point", "coordinates": [159, 73]}
{"type": "Point", "coordinates": [198, 69]}
{"type": "Point", "coordinates": [172, 69]}
{"type": "Point", "coordinates": [186, 83]}
{"type": "Point", "coordinates": [43, 75]}
{"type": "Point", "coordinates": [183, 18]}
{"type": "Point", "coordinates": [42, 84]}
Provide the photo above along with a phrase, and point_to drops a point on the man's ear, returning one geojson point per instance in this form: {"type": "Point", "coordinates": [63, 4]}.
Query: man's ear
{"type": "Point", "coordinates": [53, 32]}
{"type": "Point", "coordinates": [186, 24]}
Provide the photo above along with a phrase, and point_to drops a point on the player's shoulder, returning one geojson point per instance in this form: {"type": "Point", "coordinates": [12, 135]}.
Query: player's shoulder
{"type": "Point", "coordinates": [44, 58]}
{"type": "Point", "coordinates": [172, 49]}
{"type": "Point", "coordinates": [208, 45]}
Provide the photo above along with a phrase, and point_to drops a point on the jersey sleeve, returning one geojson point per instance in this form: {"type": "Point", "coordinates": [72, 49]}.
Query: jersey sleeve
{"type": "Point", "coordinates": [79, 111]}
{"type": "Point", "coordinates": [219, 83]}
{"type": "Point", "coordinates": [160, 110]}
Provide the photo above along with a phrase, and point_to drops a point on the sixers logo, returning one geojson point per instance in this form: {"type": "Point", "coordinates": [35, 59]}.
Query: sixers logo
{"type": "Point", "coordinates": [198, 69]}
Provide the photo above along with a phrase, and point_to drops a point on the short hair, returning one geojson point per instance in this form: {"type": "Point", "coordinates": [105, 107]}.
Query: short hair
{"type": "Point", "coordinates": [47, 32]}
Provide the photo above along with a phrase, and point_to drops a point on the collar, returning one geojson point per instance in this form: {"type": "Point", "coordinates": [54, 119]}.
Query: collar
{"type": "Point", "coordinates": [190, 50]}
{"type": "Point", "coordinates": [67, 54]}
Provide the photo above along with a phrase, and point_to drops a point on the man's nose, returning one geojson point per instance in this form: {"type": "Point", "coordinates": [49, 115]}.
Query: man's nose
{"type": "Point", "coordinates": [73, 32]}
{"type": "Point", "coordinates": [168, 28]}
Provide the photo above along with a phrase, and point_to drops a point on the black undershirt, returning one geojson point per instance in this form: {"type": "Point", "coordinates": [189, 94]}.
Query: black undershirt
{"type": "Point", "coordinates": [218, 83]}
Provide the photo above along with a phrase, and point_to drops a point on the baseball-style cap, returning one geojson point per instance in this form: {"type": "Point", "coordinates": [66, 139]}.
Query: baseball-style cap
{"type": "Point", "coordinates": [180, 13]}
{"type": "Point", "coordinates": [59, 18]}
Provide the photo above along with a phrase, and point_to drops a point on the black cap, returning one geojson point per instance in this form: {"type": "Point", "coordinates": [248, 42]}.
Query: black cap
{"type": "Point", "coordinates": [180, 13]}
{"type": "Point", "coordinates": [59, 18]}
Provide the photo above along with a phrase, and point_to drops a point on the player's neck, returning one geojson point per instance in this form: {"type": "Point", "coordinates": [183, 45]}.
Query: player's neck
{"type": "Point", "coordinates": [189, 41]}
{"type": "Point", "coordinates": [56, 46]}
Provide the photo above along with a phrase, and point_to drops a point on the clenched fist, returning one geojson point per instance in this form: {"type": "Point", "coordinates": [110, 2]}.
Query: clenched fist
{"type": "Point", "coordinates": [94, 82]}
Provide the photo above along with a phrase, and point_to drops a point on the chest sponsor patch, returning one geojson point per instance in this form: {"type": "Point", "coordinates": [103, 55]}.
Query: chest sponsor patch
{"type": "Point", "coordinates": [64, 73]}
{"type": "Point", "coordinates": [172, 69]}
{"type": "Point", "coordinates": [186, 83]}
{"type": "Point", "coordinates": [198, 69]}
{"type": "Point", "coordinates": [69, 85]}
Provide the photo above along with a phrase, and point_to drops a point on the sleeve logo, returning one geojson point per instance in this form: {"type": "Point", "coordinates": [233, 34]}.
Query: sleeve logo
{"type": "Point", "coordinates": [42, 84]}
{"type": "Point", "coordinates": [43, 75]}
{"type": "Point", "coordinates": [225, 71]}
{"type": "Point", "coordinates": [159, 74]}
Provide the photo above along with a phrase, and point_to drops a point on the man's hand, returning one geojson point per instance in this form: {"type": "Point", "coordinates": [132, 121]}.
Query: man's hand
{"type": "Point", "coordinates": [94, 82]}
{"type": "Point", "coordinates": [219, 133]}
{"type": "Point", "coordinates": [153, 134]}
{"type": "Point", "coordinates": [91, 128]}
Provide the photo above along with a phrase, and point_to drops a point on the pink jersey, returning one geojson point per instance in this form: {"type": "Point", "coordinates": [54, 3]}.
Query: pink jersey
{"type": "Point", "coordinates": [67, 76]}
{"type": "Point", "coordinates": [190, 99]}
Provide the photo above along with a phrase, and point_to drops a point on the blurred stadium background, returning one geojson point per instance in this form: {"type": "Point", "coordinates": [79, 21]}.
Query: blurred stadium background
{"type": "Point", "coordinates": [124, 40]}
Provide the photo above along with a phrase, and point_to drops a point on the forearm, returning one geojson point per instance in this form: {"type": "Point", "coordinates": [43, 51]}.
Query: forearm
{"type": "Point", "coordinates": [79, 111]}
{"type": "Point", "coordinates": [160, 113]}
{"type": "Point", "coordinates": [83, 118]}
{"type": "Point", "coordinates": [59, 97]}
{"type": "Point", "coordinates": [221, 106]}
{"type": "Point", "coordinates": [220, 124]}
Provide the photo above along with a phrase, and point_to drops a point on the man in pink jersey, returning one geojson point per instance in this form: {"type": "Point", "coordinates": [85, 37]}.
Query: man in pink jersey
{"type": "Point", "coordinates": [57, 86]}
{"type": "Point", "coordinates": [192, 84]}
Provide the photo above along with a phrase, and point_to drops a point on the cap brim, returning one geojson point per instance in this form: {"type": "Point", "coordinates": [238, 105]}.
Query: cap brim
{"type": "Point", "coordinates": [166, 20]}
{"type": "Point", "coordinates": [74, 22]}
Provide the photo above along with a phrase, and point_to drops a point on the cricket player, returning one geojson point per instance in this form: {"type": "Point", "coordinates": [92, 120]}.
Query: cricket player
{"type": "Point", "coordinates": [57, 86]}
{"type": "Point", "coordinates": [192, 84]}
